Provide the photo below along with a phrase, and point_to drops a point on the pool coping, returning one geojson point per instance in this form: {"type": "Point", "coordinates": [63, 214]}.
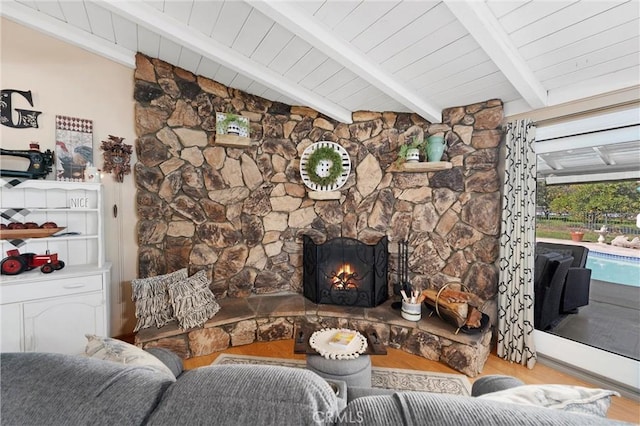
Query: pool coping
{"type": "Point", "coordinates": [633, 254]}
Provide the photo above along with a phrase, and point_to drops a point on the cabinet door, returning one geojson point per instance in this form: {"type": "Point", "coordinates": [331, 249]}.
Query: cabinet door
{"type": "Point", "coordinates": [60, 324]}
{"type": "Point", "coordinates": [11, 316]}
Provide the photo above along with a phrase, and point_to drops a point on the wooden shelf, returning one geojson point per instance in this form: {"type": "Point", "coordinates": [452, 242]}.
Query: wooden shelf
{"type": "Point", "coordinates": [419, 167]}
{"type": "Point", "coordinates": [232, 141]}
{"type": "Point", "coordinates": [324, 195]}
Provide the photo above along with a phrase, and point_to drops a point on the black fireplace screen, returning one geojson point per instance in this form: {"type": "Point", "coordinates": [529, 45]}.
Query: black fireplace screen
{"type": "Point", "coordinates": [345, 271]}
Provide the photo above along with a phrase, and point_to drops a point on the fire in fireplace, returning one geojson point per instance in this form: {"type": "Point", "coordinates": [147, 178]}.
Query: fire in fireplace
{"type": "Point", "coordinates": [345, 271]}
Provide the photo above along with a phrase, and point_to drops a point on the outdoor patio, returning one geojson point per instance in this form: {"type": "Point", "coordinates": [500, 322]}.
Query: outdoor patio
{"type": "Point", "coordinates": [611, 321]}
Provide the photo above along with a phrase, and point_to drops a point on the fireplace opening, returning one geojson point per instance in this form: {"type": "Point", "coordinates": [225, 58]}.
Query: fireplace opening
{"type": "Point", "coordinates": [345, 271]}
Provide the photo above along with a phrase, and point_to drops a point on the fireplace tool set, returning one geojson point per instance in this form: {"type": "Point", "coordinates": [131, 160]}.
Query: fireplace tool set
{"type": "Point", "coordinates": [403, 286]}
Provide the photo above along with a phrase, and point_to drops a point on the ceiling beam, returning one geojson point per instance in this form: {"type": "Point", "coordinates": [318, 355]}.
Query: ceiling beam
{"type": "Point", "coordinates": [301, 24]}
{"type": "Point", "coordinates": [60, 30]}
{"type": "Point", "coordinates": [171, 29]}
{"type": "Point", "coordinates": [593, 177]}
{"type": "Point", "coordinates": [483, 26]}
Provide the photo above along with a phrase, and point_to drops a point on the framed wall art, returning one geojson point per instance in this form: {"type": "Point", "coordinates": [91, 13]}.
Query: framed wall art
{"type": "Point", "coordinates": [74, 147]}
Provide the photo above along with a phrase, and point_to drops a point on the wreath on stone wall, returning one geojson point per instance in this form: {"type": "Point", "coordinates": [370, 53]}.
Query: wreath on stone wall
{"type": "Point", "coordinates": [325, 166]}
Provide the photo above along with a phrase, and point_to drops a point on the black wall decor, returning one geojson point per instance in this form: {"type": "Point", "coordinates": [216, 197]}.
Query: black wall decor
{"type": "Point", "coordinates": [26, 118]}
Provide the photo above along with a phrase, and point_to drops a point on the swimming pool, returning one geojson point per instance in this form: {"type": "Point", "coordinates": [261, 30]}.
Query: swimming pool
{"type": "Point", "coordinates": [614, 268]}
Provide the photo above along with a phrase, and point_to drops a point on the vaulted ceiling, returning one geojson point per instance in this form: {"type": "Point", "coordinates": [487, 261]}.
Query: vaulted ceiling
{"type": "Point", "coordinates": [382, 55]}
{"type": "Point", "coordinates": [343, 56]}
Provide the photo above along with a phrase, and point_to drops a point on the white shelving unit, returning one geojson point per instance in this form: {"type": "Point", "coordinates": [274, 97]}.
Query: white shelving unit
{"type": "Point", "coordinates": [52, 312]}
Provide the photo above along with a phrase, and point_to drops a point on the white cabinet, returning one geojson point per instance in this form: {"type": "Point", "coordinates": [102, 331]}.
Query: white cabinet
{"type": "Point", "coordinates": [51, 312]}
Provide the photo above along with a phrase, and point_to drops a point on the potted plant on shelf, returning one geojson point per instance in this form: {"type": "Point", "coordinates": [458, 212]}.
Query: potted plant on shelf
{"type": "Point", "coordinates": [410, 152]}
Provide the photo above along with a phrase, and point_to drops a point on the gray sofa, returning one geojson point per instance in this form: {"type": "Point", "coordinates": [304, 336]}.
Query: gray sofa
{"type": "Point", "coordinates": [56, 389]}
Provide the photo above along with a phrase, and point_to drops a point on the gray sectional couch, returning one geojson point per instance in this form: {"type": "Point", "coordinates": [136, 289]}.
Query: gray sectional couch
{"type": "Point", "coordinates": [56, 389]}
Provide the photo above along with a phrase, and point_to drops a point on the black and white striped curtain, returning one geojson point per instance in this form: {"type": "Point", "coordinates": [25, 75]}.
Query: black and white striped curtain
{"type": "Point", "coordinates": [517, 246]}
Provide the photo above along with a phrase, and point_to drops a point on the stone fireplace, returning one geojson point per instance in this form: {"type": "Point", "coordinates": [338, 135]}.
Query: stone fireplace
{"type": "Point", "coordinates": [241, 213]}
{"type": "Point", "coordinates": [345, 271]}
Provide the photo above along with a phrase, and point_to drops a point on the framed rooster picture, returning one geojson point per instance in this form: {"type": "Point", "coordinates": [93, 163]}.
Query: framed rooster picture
{"type": "Point", "coordinates": [74, 148]}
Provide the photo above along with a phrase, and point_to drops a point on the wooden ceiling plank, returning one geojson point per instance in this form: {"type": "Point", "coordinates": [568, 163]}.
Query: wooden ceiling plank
{"type": "Point", "coordinates": [309, 62]}
{"type": "Point", "coordinates": [445, 35]}
{"type": "Point", "coordinates": [289, 55]}
{"type": "Point", "coordinates": [75, 14]}
{"type": "Point", "coordinates": [563, 18]}
{"type": "Point", "coordinates": [323, 72]}
{"type": "Point", "coordinates": [241, 82]}
{"type": "Point", "coordinates": [148, 42]}
{"type": "Point", "coordinates": [169, 50]}
{"type": "Point", "coordinates": [231, 19]}
{"type": "Point", "coordinates": [441, 59]}
{"type": "Point", "coordinates": [361, 17]}
{"type": "Point", "coordinates": [126, 33]}
{"type": "Point", "coordinates": [53, 27]}
{"type": "Point", "coordinates": [100, 21]}
{"type": "Point", "coordinates": [51, 8]}
{"type": "Point", "coordinates": [612, 18]}
{"type": "Point", "coordinates": [626, 31]}
{"type": "Point", "coordinates": [191, 39]}
{"type": "Point", "coordinates": [225, 75]}
{"type": "Point", "coordinates": [413, 33]}
{"type": "Point", "coordinates": [180, 10]}
{"type": "Point", "coordinates": [500, 7]}
{"type": "Point", "coordinates": [334, 47]}
{"type": "Point", "coordinates": [252, 33]}
{"type": "Point", "coordinates": [336, 81]}
{"type": "Point", "coordinates": [271, 44]}
{"type": "Point", "coordinates": [530, 13]}
{"type": "Point", "coordinates": [348, 90]}
{"type": "Point", "coordinates": [207, 67]}
{"type": "Point", "coordinates": [602, 71]}
{"type": "Point", "coordinates": [466, 69]}
{"type": "Point", "coordinates": [576, 64]}
{"type": "Point", "coordinates": [333, 12]}
{"type": "Point", "coordinates": [204, 15]}
{"type": "Point", "coordinates": [617, 81]}
{"type": "Point", "coordinates": [394, 21]}
{"type": "Point", "coordinates": [189, 60]}
{"type": "Point", "coordinates": [484, 27]}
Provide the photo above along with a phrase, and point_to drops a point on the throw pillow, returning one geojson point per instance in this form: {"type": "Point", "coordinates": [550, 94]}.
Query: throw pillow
{"type": "Point", "coordinates": [151, 297]}
{"type": "Point", "coordinates": [115, 350]}
{"type": "Point", "coordinates": [192, 300]}
{"type": "Point", "coordinates": [568, 398]}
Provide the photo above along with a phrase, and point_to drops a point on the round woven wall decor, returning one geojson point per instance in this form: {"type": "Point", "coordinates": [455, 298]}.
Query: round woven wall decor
{"type": "Point", "coordinates": [325, 166]}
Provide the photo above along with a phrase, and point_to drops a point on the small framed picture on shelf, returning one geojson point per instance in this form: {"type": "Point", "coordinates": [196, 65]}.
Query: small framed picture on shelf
{"type": "Point", "coordinates": [232, 130]}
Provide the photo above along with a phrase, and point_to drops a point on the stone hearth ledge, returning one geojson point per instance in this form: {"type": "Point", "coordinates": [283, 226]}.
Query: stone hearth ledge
{"type": "Point", "coordinates": [263, 318]}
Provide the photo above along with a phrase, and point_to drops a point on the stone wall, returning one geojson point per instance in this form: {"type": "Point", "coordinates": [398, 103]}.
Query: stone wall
{"type": "Point", "coordinates": [240, 213]}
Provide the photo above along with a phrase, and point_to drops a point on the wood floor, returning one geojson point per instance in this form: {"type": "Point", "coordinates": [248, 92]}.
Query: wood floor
{"type": "Point", "coordinates": [621, 408]}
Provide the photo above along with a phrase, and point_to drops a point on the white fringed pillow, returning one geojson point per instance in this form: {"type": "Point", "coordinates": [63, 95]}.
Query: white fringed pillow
{"type": "Point", "coordinates": [114, 350]}
{"type": "Point", "coordinates": [192, 300]}
{"type": "Point", "coordinates": [151, 297]}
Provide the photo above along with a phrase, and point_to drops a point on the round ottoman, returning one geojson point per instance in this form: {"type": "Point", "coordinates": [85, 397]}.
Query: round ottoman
{"type": "Point", "coordinates": [355, 372]}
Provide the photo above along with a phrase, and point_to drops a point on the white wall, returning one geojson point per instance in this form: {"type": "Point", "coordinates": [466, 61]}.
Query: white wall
{"type": "Point", "coordinates": [66, 80]}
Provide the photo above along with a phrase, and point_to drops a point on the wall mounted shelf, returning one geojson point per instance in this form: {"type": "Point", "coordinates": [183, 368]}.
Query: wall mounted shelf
{"type": "Point", "coordinates": [419, 167]}
{"type": "Point", "coordinates": [232, 141]}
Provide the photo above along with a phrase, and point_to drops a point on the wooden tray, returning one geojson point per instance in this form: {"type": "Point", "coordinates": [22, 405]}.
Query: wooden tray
{"type": "Point", "coordinates": [7, 234]}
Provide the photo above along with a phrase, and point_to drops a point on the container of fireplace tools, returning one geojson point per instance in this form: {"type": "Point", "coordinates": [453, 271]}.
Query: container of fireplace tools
{"type": "Point", "coordinates": [403, 283]}
{"type": "Point", "coordinates": [411, 311]}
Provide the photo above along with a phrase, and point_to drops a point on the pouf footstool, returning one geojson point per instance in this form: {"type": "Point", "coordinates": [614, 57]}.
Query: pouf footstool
{"type": "Point", "coordinates": [355, 372]}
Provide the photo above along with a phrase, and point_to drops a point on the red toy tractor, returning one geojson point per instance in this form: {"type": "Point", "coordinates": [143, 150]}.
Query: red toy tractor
{"type": "Point", "coordinates": [16, 263]}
